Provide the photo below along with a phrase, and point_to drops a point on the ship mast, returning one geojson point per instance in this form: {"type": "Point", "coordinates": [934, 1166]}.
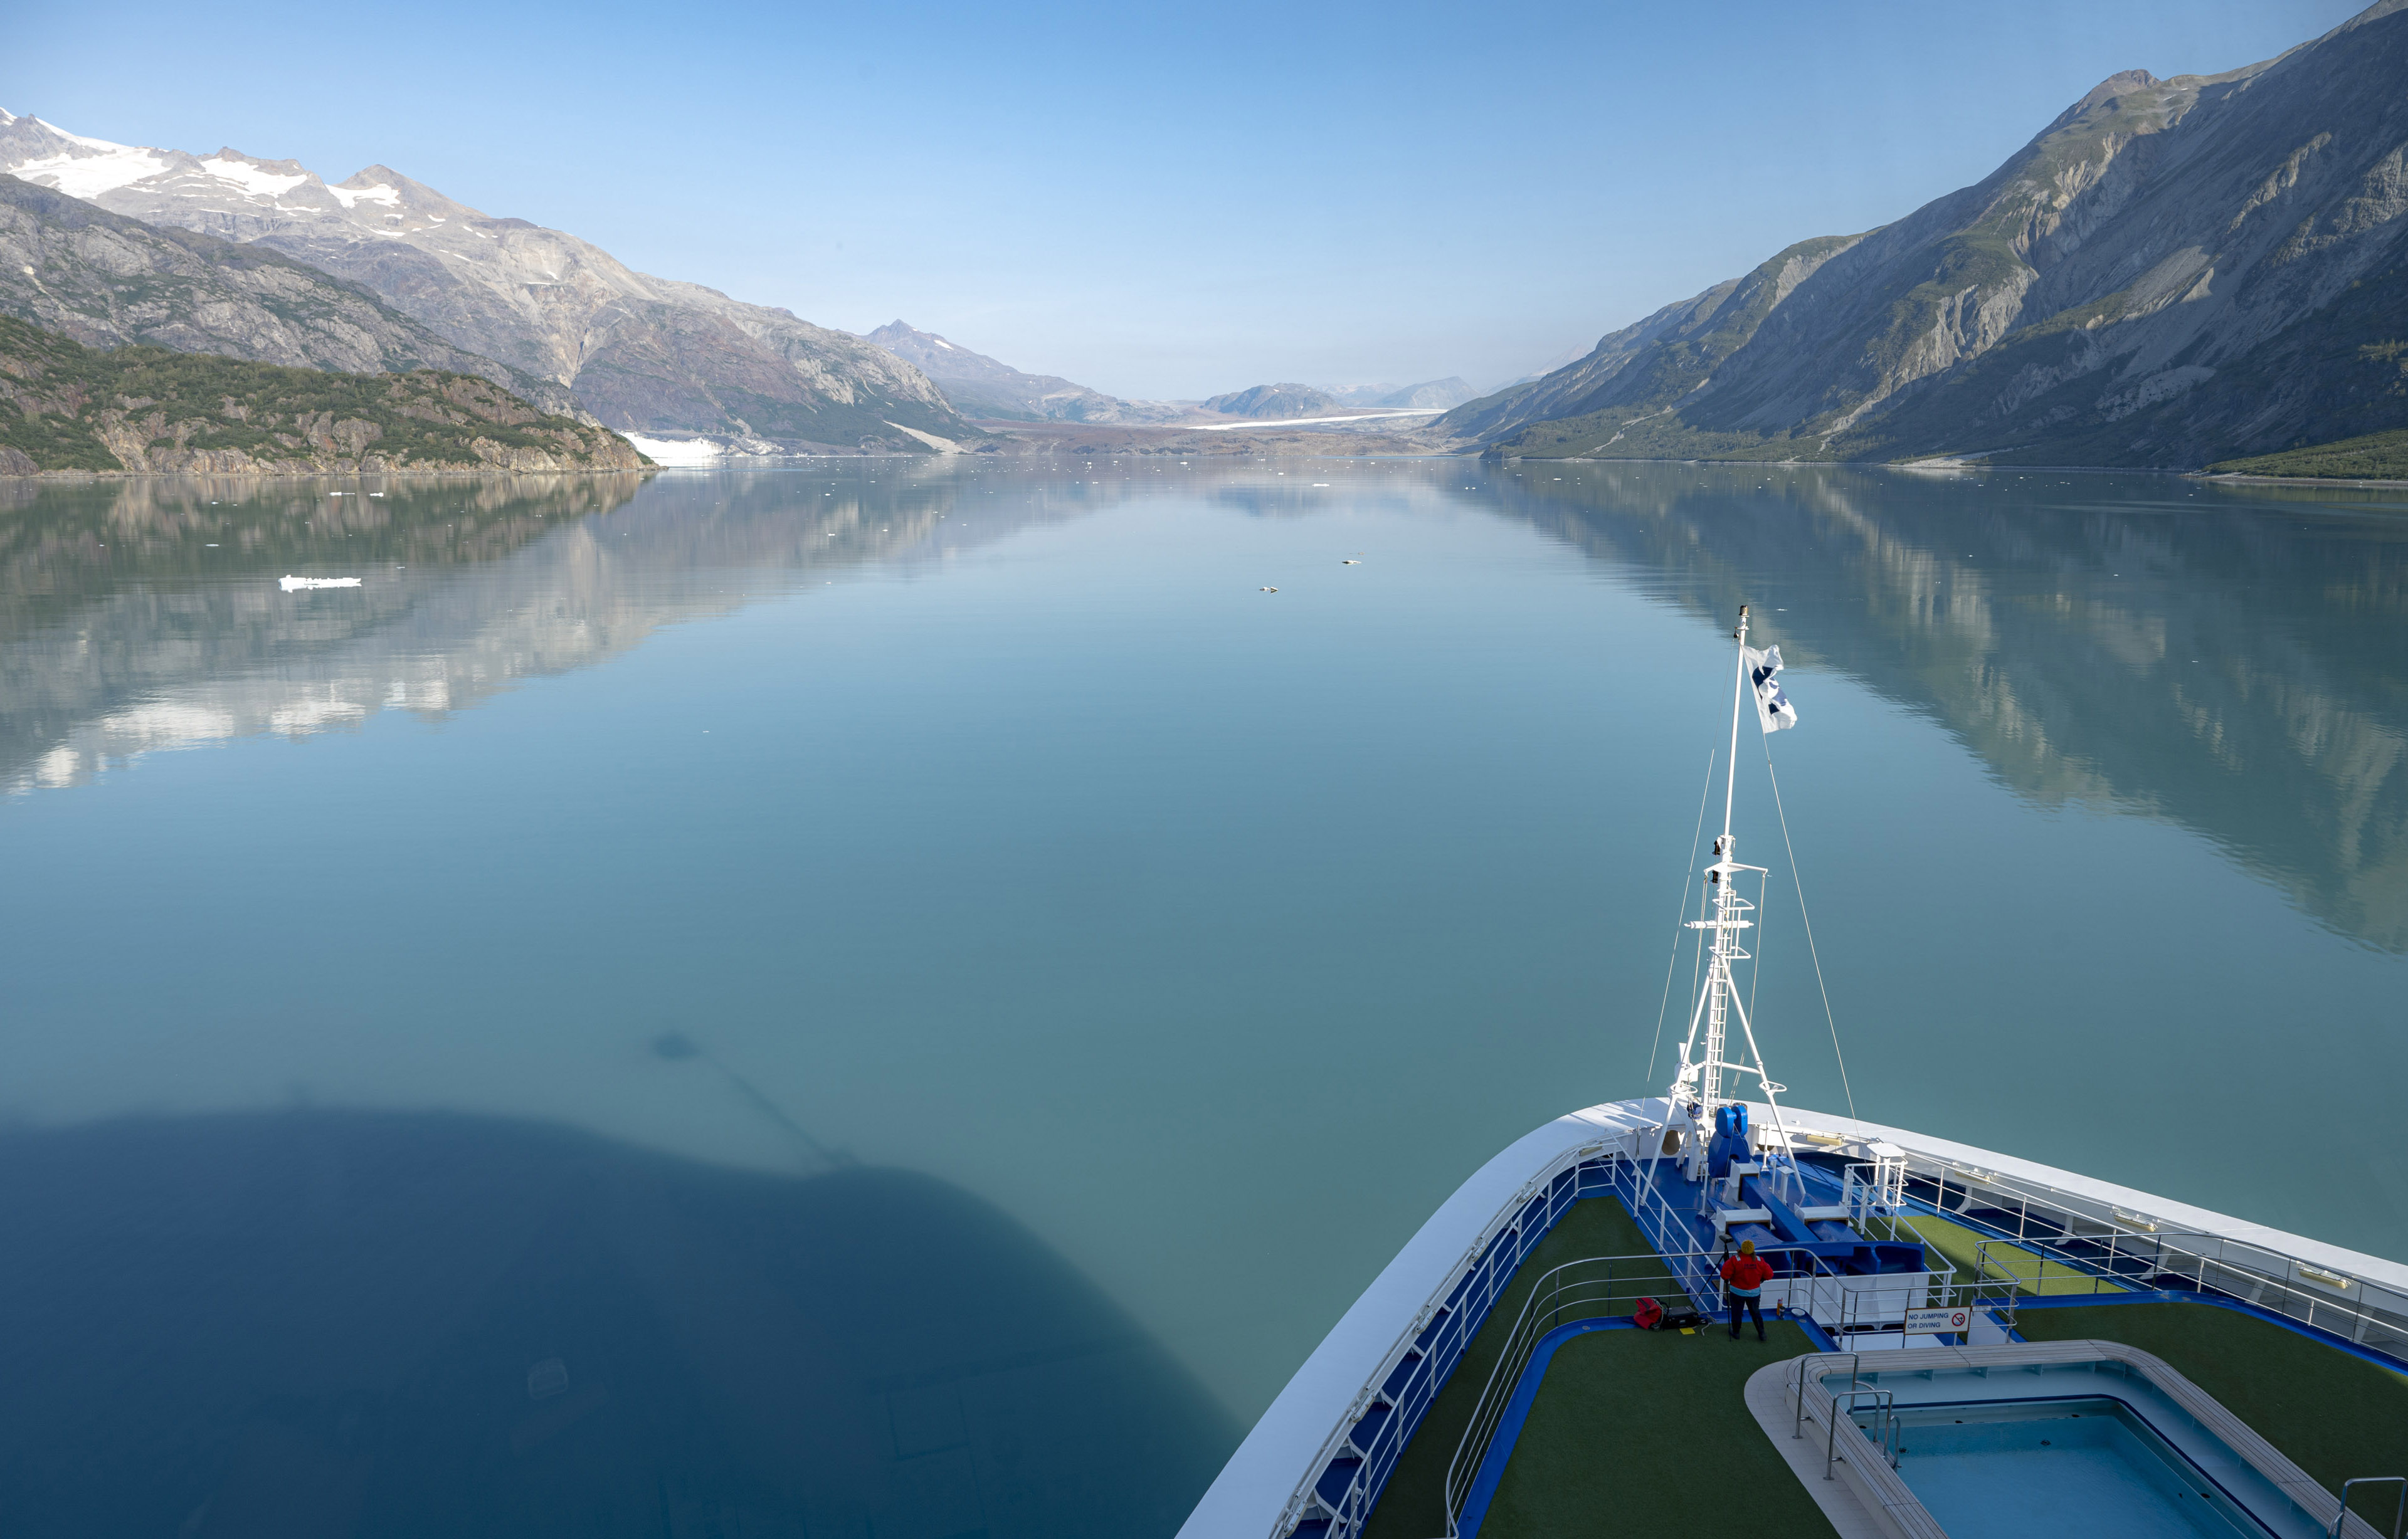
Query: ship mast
{"type": "Point", "coordinates": [1705, 1058]}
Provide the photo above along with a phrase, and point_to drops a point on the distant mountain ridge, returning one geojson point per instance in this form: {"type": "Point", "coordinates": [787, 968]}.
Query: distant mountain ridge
{"type": "Point", "coordinates": [2172, 272]}
{"type": "Point", "coordinates": [639, 352]}
{"type": "Point", "coordinates": [1441, 393]}
{"type": "Point", "coordinates": [987, 389]}
{"type": "Point", "coordinates": [983, 387]}
{"type": "Point", "coordinates": [1271, 402]}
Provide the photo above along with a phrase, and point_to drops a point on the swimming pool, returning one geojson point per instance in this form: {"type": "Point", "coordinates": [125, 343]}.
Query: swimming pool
{"type": "Point", "coordinates": [2072, 1466]}
{"type": "Point", "coordinates": [2070, 1438]}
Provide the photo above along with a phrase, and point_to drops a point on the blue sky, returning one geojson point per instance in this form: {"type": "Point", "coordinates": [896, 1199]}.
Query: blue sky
{"type": "Point", "coordinates": [1154, 201]}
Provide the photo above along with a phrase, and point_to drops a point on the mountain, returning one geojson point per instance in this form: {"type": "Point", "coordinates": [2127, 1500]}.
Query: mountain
{"type": "Point", "coordinates": [106, 280]}
{"type": "Point", "coordinates": [2172, 272]}
{"type": "Point", "coordinates": [642, 352]}
{"type": "Point", "coordinates": [986, 388]}
{"type": "Point", "coordinates": [1431, 392]}
{"type": "Point", "coordinates": [1274, 402]}
{"type": "Point", "coordinates": [1569, 355]}
{"type": "Point", "coordinates": [65, 407]}
{"type": "Point", "coordinates": [980, 386]}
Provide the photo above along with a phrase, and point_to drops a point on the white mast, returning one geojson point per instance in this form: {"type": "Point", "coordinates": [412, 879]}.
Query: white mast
{"type": "Point", "coordinates": [1697, 1088]}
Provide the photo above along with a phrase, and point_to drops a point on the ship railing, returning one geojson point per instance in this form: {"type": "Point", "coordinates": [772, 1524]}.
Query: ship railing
{"type": "Point", "coordinates": [1351, 1466]}
{"type": "Point", "coordinates": [2033, 1240]}
{"type": "Point", "coordinates": [1667, 1228]}
{"type": "Point", "coordinates": [1850, 1305]}
{"type": "Point", "coordinates": [1610, 1287]}
{"type": "Point", "coordinates": [1874, 1191]}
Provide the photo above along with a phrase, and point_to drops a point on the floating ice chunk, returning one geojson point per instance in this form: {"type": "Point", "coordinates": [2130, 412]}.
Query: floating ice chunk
{"type": "Point", "coordinates": [290, 583]}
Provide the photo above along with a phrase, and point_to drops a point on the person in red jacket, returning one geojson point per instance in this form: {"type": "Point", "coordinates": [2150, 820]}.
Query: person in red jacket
{"type": "Point", "coordinates": [1744, 1279]}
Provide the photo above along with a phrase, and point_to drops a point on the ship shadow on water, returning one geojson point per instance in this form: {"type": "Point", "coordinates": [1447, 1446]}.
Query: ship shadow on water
{"type": "Point", "coordinates": [355, 1323]}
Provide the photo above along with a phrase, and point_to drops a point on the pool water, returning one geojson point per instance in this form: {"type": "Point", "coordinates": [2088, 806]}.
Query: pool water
{"type": "Point", "coordinates": [2059, 1468]}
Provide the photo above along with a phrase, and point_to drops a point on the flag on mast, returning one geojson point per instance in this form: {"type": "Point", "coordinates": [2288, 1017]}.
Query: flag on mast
{"type": "Point", "coordinates": [1773, 711]}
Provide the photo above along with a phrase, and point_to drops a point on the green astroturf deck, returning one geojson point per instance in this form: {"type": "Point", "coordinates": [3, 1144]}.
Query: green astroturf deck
{"type": "Point", "coordinates": [1413, 1506]}
{"type": "Point", "coordinates": [2033, 1273]}
{"type": "Point", "coordinates": [1643, 1432]}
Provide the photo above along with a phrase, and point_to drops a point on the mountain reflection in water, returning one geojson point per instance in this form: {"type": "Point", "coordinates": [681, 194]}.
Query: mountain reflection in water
{"type": "Point", "coordinates": [2223, 658]}
{"type": "Point", "coordinates": [146, 615]}
{"type": "Point", "coordinates": [331, 1323]}
{"type": "Point", "coordinates": [2204, 653]}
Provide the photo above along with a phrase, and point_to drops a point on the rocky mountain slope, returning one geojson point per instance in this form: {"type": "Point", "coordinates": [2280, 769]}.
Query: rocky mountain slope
{"type": "Point", "coordinates": [105, 279]}
{"type": "Point", "coordinates": [138, 409]}
{"type": "Point", "coordinates": [1271, 402]}
{"type": "Point", "coordinates": [987, 387]}
{"type": "Point", "coordinates": [642, 352]}
{"type": "Point", "coordinates": [2173, 272]}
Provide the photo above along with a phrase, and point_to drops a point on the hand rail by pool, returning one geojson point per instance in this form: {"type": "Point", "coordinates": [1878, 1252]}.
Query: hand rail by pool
{"type": "Point", "coordinates": [2399, 1519]}
{"type": "Point", "coordinates": [1887, 1400]}
{"type": "Point", "coordinates": [1856, 1369]}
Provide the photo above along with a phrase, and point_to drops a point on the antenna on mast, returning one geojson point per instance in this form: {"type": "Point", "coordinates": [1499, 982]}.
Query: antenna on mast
{"type": "Point", "coordinates": [1731, 777]}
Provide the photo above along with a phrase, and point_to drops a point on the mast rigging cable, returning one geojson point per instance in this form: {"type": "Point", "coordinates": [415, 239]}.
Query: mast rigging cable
{"type": "Point", "coordinates": [1672, 959]}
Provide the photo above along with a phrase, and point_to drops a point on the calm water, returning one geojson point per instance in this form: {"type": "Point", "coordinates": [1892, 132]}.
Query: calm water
{"type": "Point", "coordinates": [903, 999]}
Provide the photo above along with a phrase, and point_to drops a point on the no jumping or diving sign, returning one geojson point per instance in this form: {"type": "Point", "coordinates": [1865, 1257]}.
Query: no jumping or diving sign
{"type": "Point", "coordinates": [1922, 1322]}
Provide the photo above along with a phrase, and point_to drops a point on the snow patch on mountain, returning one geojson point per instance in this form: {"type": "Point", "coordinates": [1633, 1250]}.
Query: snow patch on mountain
{"type": "Point", "coordinates": [255, 181]}
{"type": "Point", "coordinates": [88, 168]}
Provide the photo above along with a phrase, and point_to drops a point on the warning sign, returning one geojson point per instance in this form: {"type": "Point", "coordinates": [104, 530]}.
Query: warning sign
{"type": "Point", "coordinates": [1921, 1322]}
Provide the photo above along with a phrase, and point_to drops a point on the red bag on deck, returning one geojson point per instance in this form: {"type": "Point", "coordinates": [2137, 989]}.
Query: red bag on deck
{"type": "Point", "coordinates": [1648, 1316]}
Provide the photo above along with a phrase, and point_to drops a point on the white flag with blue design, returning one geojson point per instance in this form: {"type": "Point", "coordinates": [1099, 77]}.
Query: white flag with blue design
{"type": "Point", "coordinates": [1773, 711]}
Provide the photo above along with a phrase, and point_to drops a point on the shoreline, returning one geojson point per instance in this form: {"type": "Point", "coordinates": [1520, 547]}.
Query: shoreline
{"type": "Point", "coordinates": [1931, 467]}
{"type": "Point", "coordinates": [462, 474]}
{"type": "Point", "coordinates": [2297, 480]}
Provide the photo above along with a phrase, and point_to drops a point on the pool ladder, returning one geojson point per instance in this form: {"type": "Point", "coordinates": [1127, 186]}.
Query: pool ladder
{"type": "Point", "coordinates": [2398, 1515]}
{"type": "Point", "coordinates": [1885, 1411]}
{"type": "Point", "coordinates": [1883, 1432]}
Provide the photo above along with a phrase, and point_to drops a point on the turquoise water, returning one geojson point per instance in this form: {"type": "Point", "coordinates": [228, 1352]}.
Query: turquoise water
{"type": "Point", "coordinates": [988, 823]}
